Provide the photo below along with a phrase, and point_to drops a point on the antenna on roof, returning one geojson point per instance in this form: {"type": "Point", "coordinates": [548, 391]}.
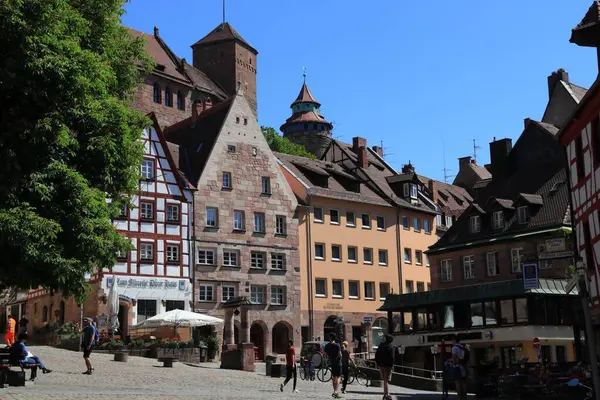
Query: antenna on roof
{"type": "Point", "coordinates": [446, 170]}
{"type": "Point", "coordinates": [383, 153]}
{"type": "Point", "coordinates": [223, 12]}
{"type": "Point", "coordinates": [475, 147]}
{"type": "Point", "coordinates": [304, 74]}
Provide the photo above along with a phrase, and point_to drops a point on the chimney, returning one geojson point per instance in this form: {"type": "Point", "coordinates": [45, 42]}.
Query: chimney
{"type": "Point", "coordinates": [554, 78]}
{"type": "Point", "coordinates": [156, 31]}
{"type": "Point", "coordinates": [378, 150]}
{"type": "Point", "coordinates": [499, 152]}
{"type": "Point", "coordinates": [359, 147]}
{"type": "Point", "coordinates": [408, 168]}
{"type": "Point", "coordinates": [197, 109]}
{"type": "Point", "coordinates": [463, 162]}
{"type": "Point", "coordinates": [433, 189]}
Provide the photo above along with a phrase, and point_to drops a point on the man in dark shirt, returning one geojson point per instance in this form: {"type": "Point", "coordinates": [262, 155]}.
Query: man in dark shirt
{"type": "Point", "coordinates": [89, 334]}
{"type": "Point", "coordinates": [334, 352]}
{"type": "Point", "coordinates": [384, 357]}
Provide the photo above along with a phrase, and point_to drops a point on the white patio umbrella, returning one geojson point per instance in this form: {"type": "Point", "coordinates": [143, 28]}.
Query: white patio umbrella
{"type": "Point", "coordinates": [177, 318]}
{"type": "Point", "coordinates": [113, 307]}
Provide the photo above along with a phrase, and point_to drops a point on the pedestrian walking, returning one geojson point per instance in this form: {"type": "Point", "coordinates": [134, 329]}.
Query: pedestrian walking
{"type": "Point", "coordinates": [346, 363]}
{"type": "Point", "coordinates": [290, 366]}
{"type": "Point", "coordinates": [460, 360]}
{"type": "Point", "coordinates": [9, 335]}
{"type": "Point", "coordinates": [334, 352]}
{"type": "Point", "coordinates": [90, 334]}
{"type": "Point", "coordinates": [23, 322]}
{"type": "Point", "coordinates": [384, 357]}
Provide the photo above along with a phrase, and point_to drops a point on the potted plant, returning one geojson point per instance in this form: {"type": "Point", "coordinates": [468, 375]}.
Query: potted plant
{"type": "Point", "coordinates": [212, 346]}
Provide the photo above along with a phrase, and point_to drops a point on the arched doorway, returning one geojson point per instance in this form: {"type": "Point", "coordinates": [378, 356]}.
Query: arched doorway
{"type": "Point", "coordinates": [257, 336]}
{"type": "Point", "coordinates": [381, 323]}
{"type": "Point", "coordinates": [282, 332]}
{"type": "Point", "coordinates": [329, 327]}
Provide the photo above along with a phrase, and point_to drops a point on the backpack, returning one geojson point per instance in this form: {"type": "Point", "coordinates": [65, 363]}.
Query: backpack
{"type": "Point", "coordinates": [467, 354]}
{"type": "Point", "coordinates": [96, 338]}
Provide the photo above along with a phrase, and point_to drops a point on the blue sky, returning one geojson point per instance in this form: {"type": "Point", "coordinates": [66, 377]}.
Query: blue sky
{"type": "Point", "coordinates": [424, 77]}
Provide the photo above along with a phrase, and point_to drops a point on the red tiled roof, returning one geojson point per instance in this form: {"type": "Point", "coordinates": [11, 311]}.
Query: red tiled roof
{"type": "Point", "coordinates": [223, 33]}
{"type": "Point", "coordinates": [309, 116]}
{"type": "Point", "coordinates": [591, 17]}
{"type": "Point", "coordinates": [305, 96]}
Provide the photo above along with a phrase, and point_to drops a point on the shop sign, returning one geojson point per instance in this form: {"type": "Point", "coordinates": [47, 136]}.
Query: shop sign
{"type": "Point", "coordinates": [557, 254]}
{"type": "Point", "coordinates": [152, 284]}
{"type": "Point", "coordinates": [332, 306]}
{"type": "Point", "coordinates": [530, 276]}
{"type": "Point", "coordinates": [555, 245]}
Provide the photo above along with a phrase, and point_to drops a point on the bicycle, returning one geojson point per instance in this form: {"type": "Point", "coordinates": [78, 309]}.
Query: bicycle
{"type": "Point", "coordinates": [307, 371]}
{"type": "Point", "coordinates": [356, 374]}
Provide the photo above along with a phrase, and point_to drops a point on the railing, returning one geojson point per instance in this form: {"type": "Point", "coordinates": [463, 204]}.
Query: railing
{"type": "Point", "coordinates": [364, 360]}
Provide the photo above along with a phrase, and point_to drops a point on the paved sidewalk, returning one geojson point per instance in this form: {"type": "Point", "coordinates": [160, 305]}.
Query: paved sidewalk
{"type": "Point", "coordinates": [144, 379]}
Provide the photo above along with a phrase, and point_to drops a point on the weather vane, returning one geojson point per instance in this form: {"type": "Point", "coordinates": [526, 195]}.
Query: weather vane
{"type": "Point", "coordinates": [304, 74]}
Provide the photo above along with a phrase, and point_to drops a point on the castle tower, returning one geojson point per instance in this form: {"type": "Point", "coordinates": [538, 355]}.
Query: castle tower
{"type": "Point", "coordinates": [228, 60]}
{"type": "Point", "coordinates": [307, 126]}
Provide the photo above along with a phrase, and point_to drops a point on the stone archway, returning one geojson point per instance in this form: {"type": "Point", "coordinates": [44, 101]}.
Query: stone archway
{"type": "Point", "coordinates": [329, 326]}
{"type": "Point", "coordinates": [281, 334]}
{"type": "Point", "coordinates": [258, 333]}
{"type": "Point", "coordinates": [382, 323]}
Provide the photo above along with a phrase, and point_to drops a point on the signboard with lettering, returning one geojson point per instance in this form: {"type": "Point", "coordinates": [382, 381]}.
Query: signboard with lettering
{"type": "Point", "coordinates": [367, 320]}
{"type": "Point", "coordinates": [556, 254]}
{"type": "Point", "coordinates": [332, 306]}
{"type": "Point", "coordinates": [555, 245]}
{"type": "Point", "coordinates": [530, 276]}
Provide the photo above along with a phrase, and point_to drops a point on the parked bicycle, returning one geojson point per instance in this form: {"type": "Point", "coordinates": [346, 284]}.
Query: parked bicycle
{"type": "Point", "coordinates": [307, 371]}
{"type": "Point", "coordinates": [356, 374]}
{"type": "Point", "coordinates": [575, 383]}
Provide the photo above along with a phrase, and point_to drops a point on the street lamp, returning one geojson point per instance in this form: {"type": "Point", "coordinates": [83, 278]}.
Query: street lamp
{"type": "Point", "coordinates": [401, 351]}
{"type": "Point", "coordinates": [434, 350]}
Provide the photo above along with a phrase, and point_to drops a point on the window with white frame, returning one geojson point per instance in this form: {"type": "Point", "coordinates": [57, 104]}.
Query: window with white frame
{"type": "Point", "coordinates": [448, 222]}
{"type": "Point", "coordinates": [498, 219]}
{"type": "Point", "coordinates": [438, 220]}
{"type": "Point", "coordinates": [523, 215]}
{"type": "Point", "coordinates": [120, 254]}
{"type": "Point", "coordinates": [258, 294]}
{"type": "Point", "coordinates": [317, 214]}
{"type": "Point", "coordinates": [543, 264]}
{"type": "Point", "coordinates": [353, 289]}
{"type": "Point", "coordinates": [427, 262]}
{"type": "Point", "coordinates": [172, 213]}
{"type": "Point", "coordinates": [206, 292]}
{"type": "Point", "coordinates": [280, 225]}
{"type": "Point", "coordinates": [239, 220]}
{"type": "Point", "coordinates": [266, 185]}
{"type": "Point", "coordinates": [226, 180]}
{"type": "Point", "coordinates": [336, 252]}
{"type": "Point", "coordinates": [278, 261]}
{"type": "Point", "coordinates": [352, 254]}
{"type": "Point", "coordinates": [366, 221]}
{"type": "Point", "coordinates": [320, 287]}
{"type": "Point", "coordinates": [427, 226]}
{"type": "Point", "coordinates": [123, 210]}
{"type": "Point", "coordinates": [350, 218]}
{"type": "Point", "coordinates": [259, 222]}
{"type": "Point", "coordinates": [368, 255]}
{"type": "Point", "coordinates": [407, 255]}
{"type": "Point", "coordinates": [492, 263]}
{"type": "Point", "coordinates": [446, 270]}
{"type": "Point", "coordinates": [418, 257]}
{"type": "Point", "coordinates": [212, 216]}
{"type": "Point", "coordinates": [146, 211]}
{"type": "Point", "coordinates": [469, 267]}
{"type": "Point", "coordinates": [231, 258]}
{"type": "Point", "coordinates": [369, 290]}
{"type": "Point", "coordinates": [257, 260]}
{"type": "Point", "coordinates": [413, 191]}
{"type": "Point", "coordinates": [380, 223]}
{"type": "Point", "coordinates": [516, 256]}
{"type": "Point", "coordinates": [147, 169]}
{"type": "Point", "coordinates": [172, 253]}
{"type": "Point", "coordinates": [334, 216]}
{"type": "Point", "coordinates": [417, 224]}
{"type": "Point", "coordinates": [227, 292]}
{"type": "Point", "coordinates": [384, 290]}
{"type": "Point", "coordinates": [147, 251]}
{"type": "Point", "coordinates": [206, 256]}
{"type": "Point", "coordinates": [337, 286]}
{"type": "Point", "coordinates": [278, 295]}
{"type": "Point", "coordinates": [383, 257]}
{"type": "Point", "coordinates": [474, 223]}
{"type": "Point", "coordinates": [405, 222]}
{"type": "Point", "coordinates": [319, 251]}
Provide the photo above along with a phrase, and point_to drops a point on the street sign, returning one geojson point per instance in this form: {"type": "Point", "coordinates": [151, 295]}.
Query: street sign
{"type": "Point", "coordinates": [530, 276]}
{"type": "Point", "coordinates": [555, 255]}
{"type": "Point", "coordinates": [536, 343]}
{"type": "Point", "coordinates": [572, 284]}
{"type": "Point", "coordinates": [367, 320]}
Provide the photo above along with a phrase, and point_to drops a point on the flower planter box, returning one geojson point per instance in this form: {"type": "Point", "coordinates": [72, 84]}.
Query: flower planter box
{"type": "Point", "coordinates": [137, 352]}
{"type": "Point", "coordinates": [69, 344]}
{"type": "Point", "coordinates": [189, 355]}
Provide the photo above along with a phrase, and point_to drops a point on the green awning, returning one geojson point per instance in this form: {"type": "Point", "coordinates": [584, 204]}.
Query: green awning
{"type": "Point", "coordinates": [495, 290]}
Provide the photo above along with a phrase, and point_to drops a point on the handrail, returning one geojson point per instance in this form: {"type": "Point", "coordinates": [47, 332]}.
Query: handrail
{"type": "Point", "coordinates": [364, 361]}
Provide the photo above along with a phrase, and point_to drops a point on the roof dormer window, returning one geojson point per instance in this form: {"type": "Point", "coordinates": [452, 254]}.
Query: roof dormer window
{"type": "Point", "coordinates": [410, 191]}
{"type": "Point", "coordinates": [523, 215]}
{"type": "Point", "coordinates": [498, 219]}
{"type": "Point", "coordinates": [475, 224]}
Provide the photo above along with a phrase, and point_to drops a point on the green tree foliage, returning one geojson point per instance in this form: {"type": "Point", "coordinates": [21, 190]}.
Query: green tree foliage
{"type": "Point", "coordinates": [283, 145]}
{"type": "Point", "coordinates": [68, 139]}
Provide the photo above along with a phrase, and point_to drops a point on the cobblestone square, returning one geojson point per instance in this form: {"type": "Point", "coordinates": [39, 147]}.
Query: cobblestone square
{"type": "Point", "coordinates": [144, 378]}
